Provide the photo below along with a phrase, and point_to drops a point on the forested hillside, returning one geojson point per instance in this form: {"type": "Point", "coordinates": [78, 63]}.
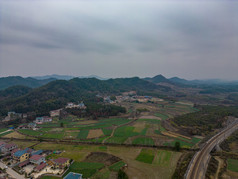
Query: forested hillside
{"type": "Point", "coordinates": [56, 94]}
{"type": "Point", "coordinates": [6, 82]}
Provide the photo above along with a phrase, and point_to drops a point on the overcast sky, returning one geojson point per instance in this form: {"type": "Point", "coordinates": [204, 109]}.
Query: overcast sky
{"type": "Point", "coordinates": [189, 39]}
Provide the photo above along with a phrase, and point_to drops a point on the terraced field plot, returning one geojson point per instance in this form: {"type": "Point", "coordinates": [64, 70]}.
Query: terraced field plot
{"type": "Point", "coordinates": [117, 166]}
{"type": "Point", "coordinates": [143, 141]}
{"type": "Point", "coordinates": [146, 156]}
{"type": "Point", "coordinates": [163, 158]}
{"type": "Point", "coordinates": [95, 133]}
{"type": "Point", "coordinates": [5, 133]}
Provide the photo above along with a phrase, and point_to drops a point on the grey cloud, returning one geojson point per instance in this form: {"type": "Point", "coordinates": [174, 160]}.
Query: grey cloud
{"type": "Point", "coordinates": [139, 38]}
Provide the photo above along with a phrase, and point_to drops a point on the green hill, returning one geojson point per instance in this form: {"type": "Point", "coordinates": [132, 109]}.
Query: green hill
{"type": "Point", "coordinates": [6, 82]}
{"type": "Point", "coordinates": [57, 93]}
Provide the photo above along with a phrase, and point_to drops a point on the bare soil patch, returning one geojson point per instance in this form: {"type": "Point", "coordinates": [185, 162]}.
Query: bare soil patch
{"type": "Point", "coordinates": [172, 134]}
{"type": "Point", "coordinates": [149, 117]}
{"type": "Point", "coordinates": [16, 135]}
{"type": "Point", "coordinates": [101, 157]}
{"type": "Point", "coordinates": [139, 126]}
{"type": "Point", "coordinates": [95, 133]}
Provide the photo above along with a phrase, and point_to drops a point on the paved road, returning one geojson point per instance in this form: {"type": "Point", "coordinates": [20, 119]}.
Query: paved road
{"type": "Point", "coordinates": [198, 165]}
{"type": "Point", "coordinates": [11, 172]}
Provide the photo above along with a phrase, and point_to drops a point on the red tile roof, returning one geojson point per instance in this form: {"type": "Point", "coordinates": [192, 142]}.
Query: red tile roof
{"type": "Point", "coordinates": [14, 150]}
{"type": "Point", "coordinates": [41, 166]}
{"type": "Point", "coordinates": [61, 160]}
{"type": "Point", "coordinates": [1, 143]}
{"type": "Point", "coordinates": [7, 146]}
{"type": "Point", "coordinates": [24, 163]}
{"type": "Point", "coordinates": [36, 157]}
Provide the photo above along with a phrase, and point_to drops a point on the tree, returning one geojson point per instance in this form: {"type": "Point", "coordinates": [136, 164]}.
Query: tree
{"type": "Point", "coordinates": [177, 146]}
{"type": "Point", "coordinates": [61, 124]}
{"type": "Point", "coordinates": [122, 175]}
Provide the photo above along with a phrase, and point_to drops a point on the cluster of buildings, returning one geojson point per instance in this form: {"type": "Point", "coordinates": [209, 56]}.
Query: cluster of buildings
{"type": "Point", "coordinates": [43, 119]}
{"type": "Point", "coordinates": [73, 105]}
{"type": "Point", "coordinates": [130, 96]}
{"type": "Point", "coordinates": [136, 98]}
{"type": "Point", "coordinates": [27, 158]}
{"type": "Point", "coordinates": [12, 115]}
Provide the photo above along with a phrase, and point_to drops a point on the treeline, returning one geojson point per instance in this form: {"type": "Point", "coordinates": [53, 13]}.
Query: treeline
{"type": "Point", "coordinates": [96, 110]}
{"type": "Point", "coordinates": [208, 118]}
{"type": "Point", "coordinates": [218, 89]}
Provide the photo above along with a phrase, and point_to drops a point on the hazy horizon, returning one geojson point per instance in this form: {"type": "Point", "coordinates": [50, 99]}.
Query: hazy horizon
{"type": "Point", "coordinates": [110, 39]}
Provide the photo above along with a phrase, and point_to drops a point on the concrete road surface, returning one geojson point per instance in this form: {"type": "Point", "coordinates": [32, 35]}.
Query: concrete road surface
{"type": "Point", "coordinates": [11, 172]}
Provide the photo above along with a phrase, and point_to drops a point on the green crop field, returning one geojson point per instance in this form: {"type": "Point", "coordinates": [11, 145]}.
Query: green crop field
{"type": "Point", "coordinates": [232, 165]}
{"type": "Point", "coordinates": [30, 132]}
{"type": "Point", "coordinates": [125, 131]}
{"type": "Point", "coordinates": [2, 130]}
{"type": "Point", "coordinates": [98, 140]}
{"type": "Point", "coordinates": [5, 133]}
{"type": "Point", "coordinates": [102, 174]}
{"type": "Point", "coordinates": [182, 143]}
{"type": "Point", "coordinates": [85, 168]}
{"type": "Point", "coordinates": [146, 156]}
{"type": "Point", "coordinates": [152, 121]}
{"type": "Point", "coordinates": [117, 166]}
{"type": "Point", "coordinates": [83, 134]}
{"type": "Point", "coordinates": [143, 141]}
{"type": "Point", "coordinates": [53, 135]}
{"type": "Point", "coordinates": [162, 116]}
{"type": "Point", "coordinates": [117, 140]}
{"type": "Point", "coordinates": [163, 158]}
{"type": "Point", "coordinates": [107, 131]}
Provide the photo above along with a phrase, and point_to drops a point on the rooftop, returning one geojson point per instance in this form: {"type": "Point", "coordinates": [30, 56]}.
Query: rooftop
{"type": "Point", "coordinates": [24, 163]}
{"type": "Point", "coordinates": [61, 160]}
{"type": "Point", "coordinates": [19, 153]}
{"type": "Point", "coordinates": [41, 166]}
{"type": "Point", "coordinates": [36, 157]}
{"type": "Point", "coordinates": [2, 143]}
{"type": "Point", "coordinates": [7, 146]}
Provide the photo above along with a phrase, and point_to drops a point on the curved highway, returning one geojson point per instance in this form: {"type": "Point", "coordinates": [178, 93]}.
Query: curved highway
{"type": "Point", "coordinates": [198, 165]}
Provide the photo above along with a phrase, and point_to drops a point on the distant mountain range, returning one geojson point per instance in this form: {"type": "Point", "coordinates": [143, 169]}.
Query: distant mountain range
{"type": "Point", "coordinates": [176, 80]}
{"type": "Point", "coordinates": [66, 77]}
{"type": "Point", "coordinates": [37, 81]}
{"type": "Point", "coordinates": [158, 79]}
{"type": "Point", "coordinates": [10, 81]}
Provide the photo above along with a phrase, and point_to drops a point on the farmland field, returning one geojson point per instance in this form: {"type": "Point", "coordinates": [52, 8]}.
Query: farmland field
{"type": "Point", "coordinates": [147, 129]}
{"type": "Point", "coordinates": [143, 141]}
{"type": "Point", "coordinates": [85, 168]}
{"type": "Point", "coordinates": [3, 129]}
{"type": "Point", "coordinates": [117, 166]}
{"type": "Point", "coordinates": [163, 158]}
{"type": "Point", "coordinates": [129, 155]}
{"type": "Point", "coordinates": [232, 165]}
{"type": "Point", "coordinates": [95, 133]}
{"type": "Point", "coordinates": [5, 133]}
{"type": "Point", "coordinates": [146, 156]}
